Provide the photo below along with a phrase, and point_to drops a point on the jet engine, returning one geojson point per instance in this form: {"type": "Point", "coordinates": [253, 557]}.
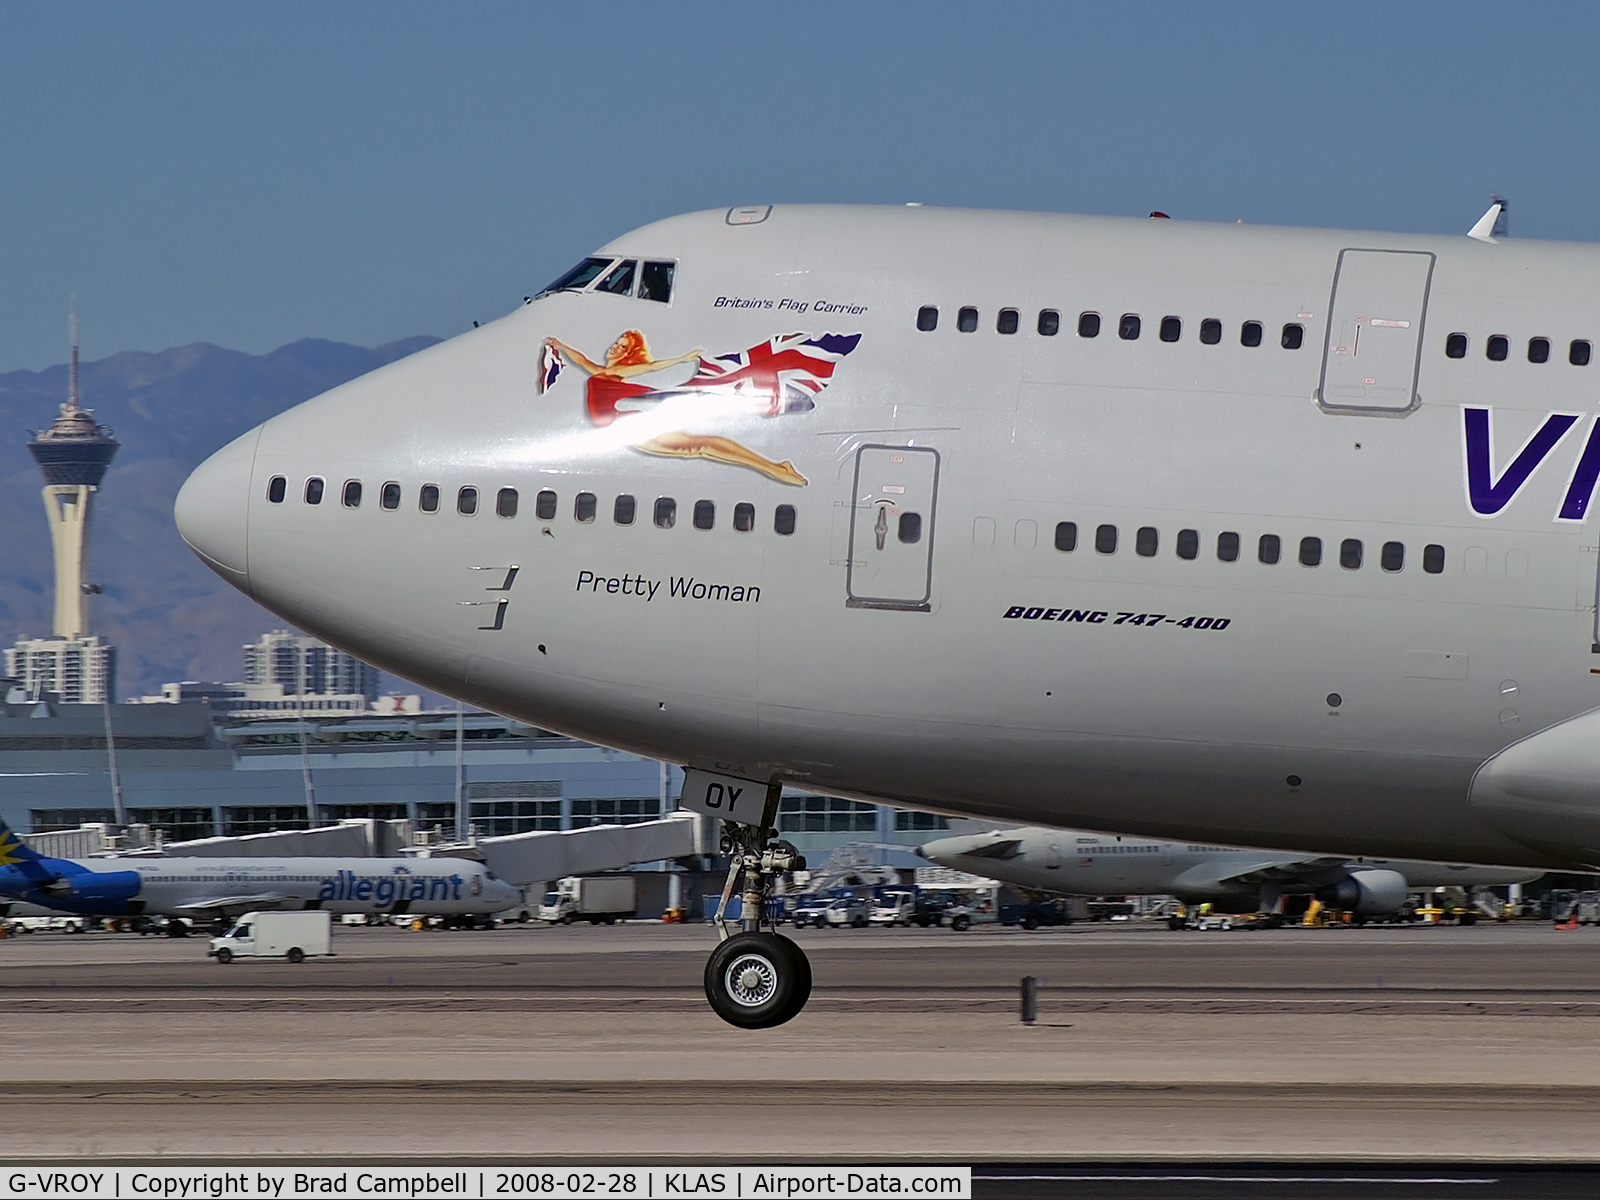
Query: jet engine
{"type": "Point", "coordinates": [1367, 893]}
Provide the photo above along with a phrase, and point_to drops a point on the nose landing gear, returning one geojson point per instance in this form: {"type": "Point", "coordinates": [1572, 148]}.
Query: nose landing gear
{"type": "Point", "coordinates": [756, 978]}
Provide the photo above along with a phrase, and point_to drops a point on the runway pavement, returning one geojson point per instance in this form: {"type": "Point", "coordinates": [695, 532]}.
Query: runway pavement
{"type": "Point", "coordinates": [1361, 1046]}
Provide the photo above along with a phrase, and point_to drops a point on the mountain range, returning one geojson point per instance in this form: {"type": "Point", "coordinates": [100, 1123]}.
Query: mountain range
{"type": "Point", "coordinates": [168, 615]}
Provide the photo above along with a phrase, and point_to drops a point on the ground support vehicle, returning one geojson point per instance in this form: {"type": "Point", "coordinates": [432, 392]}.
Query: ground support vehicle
{"type": "Point", "coordinates": [294, 936]}
{"type": "Point", "coordinates": [597, 899]}
{"type": "Point", "coordinates": [1034, 914]}
{"type": "Point", "coordinates": [853, 911]}
{"type": "Point", "coordinates": [808, 910]}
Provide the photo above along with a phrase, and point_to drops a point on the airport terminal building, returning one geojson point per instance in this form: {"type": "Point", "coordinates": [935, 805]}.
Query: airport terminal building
{"type": "Point", "coordinates": [192, 771]}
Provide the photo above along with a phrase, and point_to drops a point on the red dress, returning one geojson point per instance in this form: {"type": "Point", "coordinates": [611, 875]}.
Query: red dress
{"type": "Point", "coordinates": [605, 392]}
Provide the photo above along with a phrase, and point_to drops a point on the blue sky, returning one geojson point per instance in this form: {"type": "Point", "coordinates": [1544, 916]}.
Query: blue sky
{"type": "Point", "coordinates": [250, 174]}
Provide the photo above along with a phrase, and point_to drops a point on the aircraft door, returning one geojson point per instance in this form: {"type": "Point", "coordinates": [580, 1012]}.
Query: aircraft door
{"type": "Point", "coordinates": [1372, 352]}
{"type": "Point", "coordinates": [891, 528]}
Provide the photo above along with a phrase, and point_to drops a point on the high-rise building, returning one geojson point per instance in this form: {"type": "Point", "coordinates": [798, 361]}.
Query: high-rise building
{"type": "Point", "coordinates": [303, 665]}
{"type": "Point", "coordinates": [73, 455]}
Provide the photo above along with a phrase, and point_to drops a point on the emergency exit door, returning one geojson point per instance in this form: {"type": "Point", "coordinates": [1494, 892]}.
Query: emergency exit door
{"type": "Point", "coordinates": [891, 528]}
{"type": "Point", "coordinates": [1373, 349]}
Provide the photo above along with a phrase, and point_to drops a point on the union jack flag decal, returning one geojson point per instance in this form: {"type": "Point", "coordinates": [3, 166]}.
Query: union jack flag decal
{"type": "Point", "coordinates": [781, 375]}
{"type": "Point", "coordinates": [550, 365]}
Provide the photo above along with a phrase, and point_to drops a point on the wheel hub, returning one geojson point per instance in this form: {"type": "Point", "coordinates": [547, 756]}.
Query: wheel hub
{"type": "Point", "coordinates": [751, 980]}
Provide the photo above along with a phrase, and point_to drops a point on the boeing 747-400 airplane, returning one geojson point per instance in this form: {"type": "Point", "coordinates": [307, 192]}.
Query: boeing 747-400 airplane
{"type": "Point", "coordinates": [1207, 532]}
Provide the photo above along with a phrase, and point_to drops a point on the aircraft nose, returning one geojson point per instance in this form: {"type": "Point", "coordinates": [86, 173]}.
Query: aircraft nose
{"type": "Point", "coordinates": [212, 509]}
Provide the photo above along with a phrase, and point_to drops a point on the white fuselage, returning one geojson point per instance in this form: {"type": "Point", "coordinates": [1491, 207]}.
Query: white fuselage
{"type": "Point", "coordinates": [426, 886]}
{"type": "Point", "coordinates": [918, 637]}
{"type": "Point", "coordinates": [1087, 864]}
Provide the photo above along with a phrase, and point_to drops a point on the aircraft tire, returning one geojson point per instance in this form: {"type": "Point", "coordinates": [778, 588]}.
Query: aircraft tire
{"type": "Point", "coordinates": [802, 987]}
{"type": "Point", "coordinates": [296, 955]}
{"type": "Point", "coordinates": [224, 956]}
{"type": "Point", "coordinates": [177, 928]}
{"type": "Point", "coordinates": [752, 980]}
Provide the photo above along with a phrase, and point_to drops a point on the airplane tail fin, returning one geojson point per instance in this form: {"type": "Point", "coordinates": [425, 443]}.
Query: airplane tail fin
{"type": "Point", "coordinates": [14, 851]}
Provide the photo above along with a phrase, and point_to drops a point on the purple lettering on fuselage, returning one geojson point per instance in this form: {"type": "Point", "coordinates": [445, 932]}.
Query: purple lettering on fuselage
{"type": "Point", "coordinates": [1488, 495]}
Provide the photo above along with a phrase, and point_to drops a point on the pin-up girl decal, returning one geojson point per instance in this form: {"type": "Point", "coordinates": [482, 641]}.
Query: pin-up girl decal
{"type": "Point", "coordinates": [781, 375]}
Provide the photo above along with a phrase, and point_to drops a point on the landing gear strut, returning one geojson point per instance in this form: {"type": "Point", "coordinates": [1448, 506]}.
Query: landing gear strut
{"type": "Point", "coordinates": [756, 978]}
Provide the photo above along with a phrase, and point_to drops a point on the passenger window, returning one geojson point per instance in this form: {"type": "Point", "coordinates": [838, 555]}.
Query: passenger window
{"type": "Point", "coordinates": [1088, 325]}
{"type": "Point", "coordinates": [1455, 346]}
{"type": "Point", "coordinates": [1049, 322]}
{"type": "Point", "coordinates": [623, 510]}
{"type": "Point", "coordinates": [1250, 333]}
{"type": "Point", "coordinates": [428, 497]}
{"type": "Point", "coordinates": [1128, 327]}
{"type": "Point", "coordinates": [467, 501]}
{"type": "Point", "coordinates": [505, 503]}
{"type": "Point", "coordinates": [1294, 337]}
{"type": "Point", "coordinates": [580, 277]}
{"type": "Point", "coordinates": [1211, 331]}
{"type": "Point", "coordinates": [1578, 354]}
{"type": "Point", "coordinates": [1105, 539]}
{"type": "Point", "coordinates": [277, 489]}
{"type": "Point", "coordinates": [1350, 554]}
{"type": "Point", "coordinates": [544, 505]}
{"type": "Point", "coordinates": [583, 508]}
{"type": "Point", "coordinates": [1144, 542]}
{"type": "Point", "coordinates": [390, 496]}
{"type": "Point", "coordinates": [1006, 322]}
{"type": "Point", "coordinates": [1538, 350]}
{"type": "Point", "coordinates": [1067, 536]}
{"type": "Point", "coordinates": [1269, 549]}
{"type": "Point", "coordinates": [1188, 543]}
{"type": "Point", "coordinates": [744, 517]}
{"type": "Point", "coordinates": [910, 531]}
{"type": "Point", "coordinates": [620, 281]}
{"type": "Point", "coordinates": [783, 519]}
{"type": "Point", "coordinates": [1310, 552]}
{"type": "Point", "coordinates": [655, 281]}
{"type": "Point", "coordinates": [927, 318]}
{"type": "Point", "coordinates": [1228, 547]}
{"type": "Point", "coordinates": [314, 490]}
{"type": "Point", "coordinates": [1171, 329]}
{"type": "Point", "coordinates": [666, 512]}
{"type": "Point", "coordinates": [967, 320]}
{"type": "Point", "coordinates": [1497, 348]}
{"type": "Point", "coordinates": [1393, 557]}
{"type": "Point", "coordinates": [705, 514]}
{"type": "Point", "coordinates": [1433, 559]}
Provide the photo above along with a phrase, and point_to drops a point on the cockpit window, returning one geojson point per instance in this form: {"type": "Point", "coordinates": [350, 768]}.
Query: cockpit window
{"type": "Point", "coordinates": [620, 281]}
{"type": "Point", "coordinates": [655, 281]}
{"type": "Point", "coordinates": [581, 276]}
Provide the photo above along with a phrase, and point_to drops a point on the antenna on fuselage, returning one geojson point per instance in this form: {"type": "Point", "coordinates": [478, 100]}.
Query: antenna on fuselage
{"type": "Point", "coordinates": [1492, 225]}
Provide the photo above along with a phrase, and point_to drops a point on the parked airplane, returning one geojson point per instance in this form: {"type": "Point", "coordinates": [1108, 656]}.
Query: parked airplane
{"type": "Point", "coordinates": [218, 889]}
{"type": "Point", "coordinates": [1089, 864]}
{"type": "Point", "coordinates": [1209, 532]}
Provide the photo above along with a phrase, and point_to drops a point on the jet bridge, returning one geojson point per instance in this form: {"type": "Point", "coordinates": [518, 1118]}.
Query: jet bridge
{"type": "Point", "coordinates": [524, 858]}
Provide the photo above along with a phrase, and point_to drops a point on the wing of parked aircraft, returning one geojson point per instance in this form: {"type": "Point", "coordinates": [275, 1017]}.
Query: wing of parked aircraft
{"type": "Point", "coordinates": [219, 905]}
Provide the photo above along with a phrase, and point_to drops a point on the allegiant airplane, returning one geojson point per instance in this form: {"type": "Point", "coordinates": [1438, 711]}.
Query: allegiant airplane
{"type": "Point", "coordinates": [218, 889]}
{"type": "Point", "coordinates": [1234, 535]}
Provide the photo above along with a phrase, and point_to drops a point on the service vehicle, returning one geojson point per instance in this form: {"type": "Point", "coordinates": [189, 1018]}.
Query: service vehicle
{"type": "Point", "coordinates": [808, 910]}
{"type": "Point", "coordinates": [846, 910]}
{"type": "Point", "coordinates": [294, 936]}
{"type": "Point", "coordinates": [597, 899]}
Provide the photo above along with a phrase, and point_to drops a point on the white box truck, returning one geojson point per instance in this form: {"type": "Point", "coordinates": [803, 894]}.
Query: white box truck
{"type": "Point", "coordinates": [593, 898]}
{"type": "Point", "coordinates": [291, 935]}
